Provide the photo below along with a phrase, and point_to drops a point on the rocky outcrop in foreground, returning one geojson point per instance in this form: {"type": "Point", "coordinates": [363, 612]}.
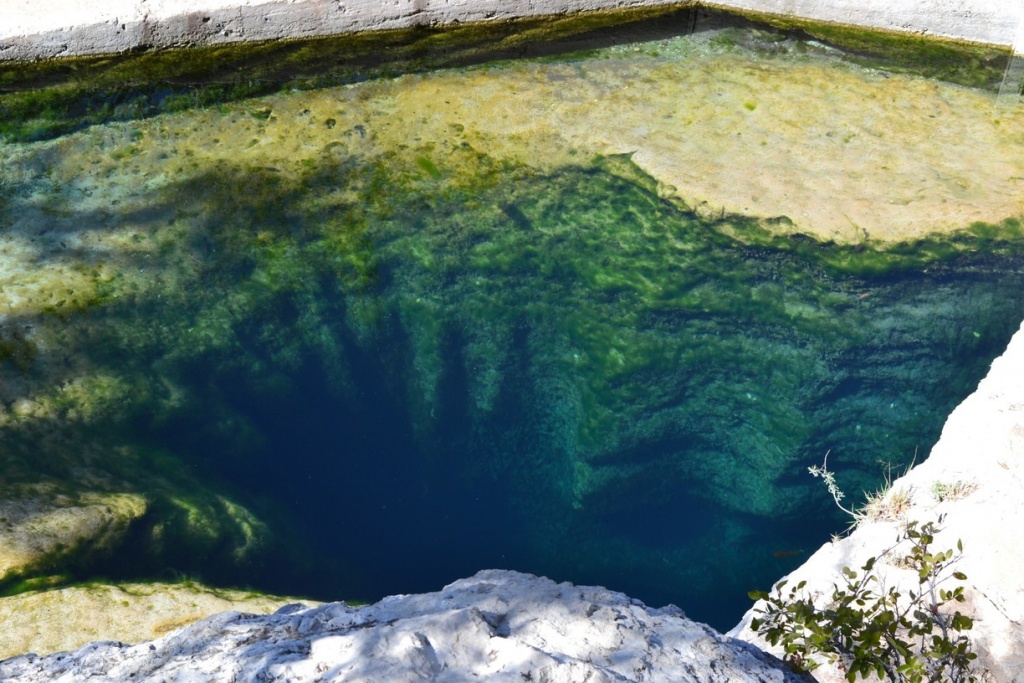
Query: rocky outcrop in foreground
{"type": "Point", "coordinates": [495, 626]}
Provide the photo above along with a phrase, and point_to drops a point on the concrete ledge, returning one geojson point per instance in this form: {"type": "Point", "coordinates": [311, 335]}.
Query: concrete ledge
{"type": "Point", "coordinates": [37, 29]}
{"type": "Point", "coordinates": [992, 22]}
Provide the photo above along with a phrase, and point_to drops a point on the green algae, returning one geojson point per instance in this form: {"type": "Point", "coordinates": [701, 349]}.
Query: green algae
{"type": "Point", "coordinates": [44, 99]}
{"type": "Point", "coordinates": [955, 61]}
{"type": "Point", "coordinates": [186, 528]}
{"type": "Point", "coordinates": [297, 345]}
{"type": "Point", "coordinates": [618, 281]}
{"type": "Point", "coordinates": [645, 353]}
{"type": "Point", "coordinates": [16, 349]}
{"type": "Point", "coordinates": [36, 583]}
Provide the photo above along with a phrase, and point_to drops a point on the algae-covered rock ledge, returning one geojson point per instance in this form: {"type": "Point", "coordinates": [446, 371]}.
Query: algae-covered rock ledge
{"type": "Point", "coordinates": [63, 619]}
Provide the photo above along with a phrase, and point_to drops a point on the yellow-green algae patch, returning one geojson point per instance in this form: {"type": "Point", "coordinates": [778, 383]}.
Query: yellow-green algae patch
{"type": "Point", "coordinates": [846, 154]}
{"type": "Point", "coordinates": [44, 622]}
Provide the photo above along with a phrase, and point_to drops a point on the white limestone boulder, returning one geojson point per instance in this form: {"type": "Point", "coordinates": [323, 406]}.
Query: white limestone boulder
{"type": "Point", "coordinates": [494, 626]}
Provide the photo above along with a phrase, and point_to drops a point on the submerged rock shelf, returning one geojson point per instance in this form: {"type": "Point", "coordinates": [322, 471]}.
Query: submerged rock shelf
{"type": "Point", "coordinates": [66, 618]}
{"type": "Point", "coordinates": [369, 338]}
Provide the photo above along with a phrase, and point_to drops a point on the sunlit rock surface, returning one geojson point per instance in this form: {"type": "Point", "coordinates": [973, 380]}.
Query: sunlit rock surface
{"type": "Point", "coordinates": [33, 30]}
{"type": "Point", "coordinates": [972, 481]}
{"type": "Point", "coordinates": [495, 626]}
{"type": "Point", "coordinates": [44, 622]}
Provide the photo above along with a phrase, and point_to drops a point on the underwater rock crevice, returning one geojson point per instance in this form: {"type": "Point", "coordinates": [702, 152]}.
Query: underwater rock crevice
{"type": "Point", "coordinates": [290, 364]}
{"type": "Point", "coordinates": [490, 361]}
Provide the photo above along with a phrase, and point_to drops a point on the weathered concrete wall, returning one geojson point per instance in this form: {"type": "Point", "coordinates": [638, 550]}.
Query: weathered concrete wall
{"type": "Point", "coordinates": [48, 28]}
{"type": "Point", "coordinates": [983, 21]}
{"type": "Point", "coordinates": [31, 29]}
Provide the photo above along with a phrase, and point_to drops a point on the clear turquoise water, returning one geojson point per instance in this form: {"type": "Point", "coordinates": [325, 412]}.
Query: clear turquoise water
{"type": "Point", "coordinates": [408, 378]}
{"type": "Point", "coordinates": [481, 415]}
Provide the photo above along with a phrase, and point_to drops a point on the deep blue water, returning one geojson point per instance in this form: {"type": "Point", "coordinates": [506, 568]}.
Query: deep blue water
{"type": "Point", "coordinates": [406, 376]}
{"type": "Point", "coordinates": [408, 448]}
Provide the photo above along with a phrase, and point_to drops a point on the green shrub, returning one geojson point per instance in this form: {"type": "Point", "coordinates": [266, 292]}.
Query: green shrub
{"type": "Point", "coordinates": [866, 628]}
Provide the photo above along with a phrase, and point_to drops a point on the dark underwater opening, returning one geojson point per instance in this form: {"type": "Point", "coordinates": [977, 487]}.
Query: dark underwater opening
{"type": "Point", "coordinates": [524, 398]}
{"type": "Point", "coordinates": [557, 372]}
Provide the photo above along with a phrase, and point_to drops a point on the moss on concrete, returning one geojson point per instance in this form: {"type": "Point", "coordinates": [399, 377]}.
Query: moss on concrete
{"type": "Point", "coordinates": [44, 99]}
{"type": "Point", "coordinates": [956, 61]}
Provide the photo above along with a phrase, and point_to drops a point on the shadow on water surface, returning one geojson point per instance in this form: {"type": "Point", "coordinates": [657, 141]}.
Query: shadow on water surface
{"type": "Point", "coordinates": [415, 387]}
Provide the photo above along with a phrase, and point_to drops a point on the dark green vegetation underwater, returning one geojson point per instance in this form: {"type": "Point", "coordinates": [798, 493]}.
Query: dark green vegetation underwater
{"type": "Point", "coordinates": [408, 374]}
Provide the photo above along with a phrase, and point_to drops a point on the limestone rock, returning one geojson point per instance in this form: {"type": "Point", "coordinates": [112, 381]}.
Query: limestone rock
{"type": "Point", "coordinates": [51, 621]}
{"type": "Point", "coordinates": [973, 478]}
{"type": "Point", "coordinates": [495, 626]}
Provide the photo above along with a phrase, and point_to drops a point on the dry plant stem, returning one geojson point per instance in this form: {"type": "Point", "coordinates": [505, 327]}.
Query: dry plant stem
{"type": "Point", "coordinates": [830, 483]}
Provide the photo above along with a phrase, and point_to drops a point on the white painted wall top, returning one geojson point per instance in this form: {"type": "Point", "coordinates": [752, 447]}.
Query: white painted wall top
{"type": "Point", "coordinates": [983, 21]}
{"type": "Point", "coordinates": [32, 29]}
